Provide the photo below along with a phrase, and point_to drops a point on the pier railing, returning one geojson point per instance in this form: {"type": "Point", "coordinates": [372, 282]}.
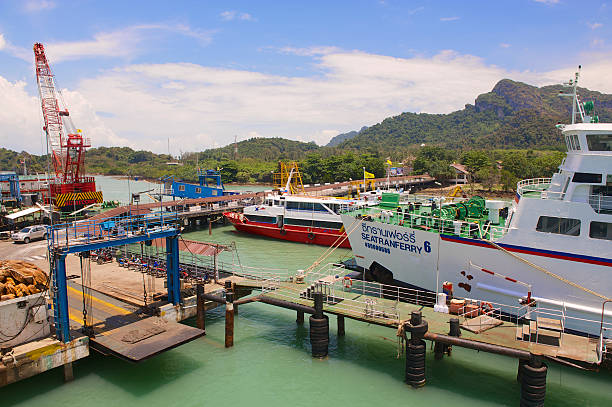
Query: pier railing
{"type": "Point", "coordinates": [112, 228]}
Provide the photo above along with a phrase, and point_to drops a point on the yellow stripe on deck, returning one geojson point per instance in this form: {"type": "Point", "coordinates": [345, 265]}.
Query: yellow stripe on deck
{"type": "Point", "coordinates": [105, 303]}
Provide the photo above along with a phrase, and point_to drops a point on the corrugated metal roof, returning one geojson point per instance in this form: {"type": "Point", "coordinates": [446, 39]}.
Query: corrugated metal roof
{"type": "Point", "coordinates": [24, 212]}
{"type": "Point", "coordinates": [195, 247]}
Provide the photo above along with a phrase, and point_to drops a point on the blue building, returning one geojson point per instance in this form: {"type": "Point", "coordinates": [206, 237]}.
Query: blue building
{"type": "Point", "coordinates": [9, 187]}
{"type": "Point", "coordinates": [210, 185]}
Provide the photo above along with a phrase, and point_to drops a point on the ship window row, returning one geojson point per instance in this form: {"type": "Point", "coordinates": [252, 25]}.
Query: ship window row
{"type": "Point", "coordinates": [601, 230]}
{"type": "Point", "coordinates": [560, 226]}
{"type": "Point", "coordinates": [315, 224]}
{"type": "Point", "coordinates": [599, 142]}
{"type": "Point", "coordinates": [572, 142]}
{"type": "Point", "coordinates": [305, 206]}
{"type": "Point", "coordinates": [260, 218]}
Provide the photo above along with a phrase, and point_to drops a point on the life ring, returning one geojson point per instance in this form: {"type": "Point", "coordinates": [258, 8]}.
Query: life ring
{"type": "Point", "coordinates": [311, 235]}
{"type": "Point", "coordinates": [486, 307]}
{"type": "Point", "coordinates": [347, 282]}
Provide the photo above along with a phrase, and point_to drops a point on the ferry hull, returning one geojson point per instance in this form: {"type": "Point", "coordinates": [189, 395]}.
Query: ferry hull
{"type": "Point", "coordinates": [322, 237]}
{"type": "Point", "coordinates": [478, 270]}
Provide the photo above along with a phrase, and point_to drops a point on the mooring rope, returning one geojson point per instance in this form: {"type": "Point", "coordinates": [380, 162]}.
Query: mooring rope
{"type": "Point", "coordinates": [549, 273]}
{"type": "Point", "coordinates": [333, 247]}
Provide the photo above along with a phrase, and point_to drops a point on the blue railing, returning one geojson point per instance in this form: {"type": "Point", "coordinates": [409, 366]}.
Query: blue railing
{"type": "Point", "coordinates": [63, 235]}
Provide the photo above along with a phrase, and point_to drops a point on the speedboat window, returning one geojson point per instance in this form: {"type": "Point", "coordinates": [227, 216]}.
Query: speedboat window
{"type": "Point", "coordinates": [561, 226]}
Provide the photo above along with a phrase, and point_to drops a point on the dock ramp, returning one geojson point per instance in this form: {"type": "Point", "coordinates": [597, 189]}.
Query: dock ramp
{"type": "Point", "coordinates": [143, 339]}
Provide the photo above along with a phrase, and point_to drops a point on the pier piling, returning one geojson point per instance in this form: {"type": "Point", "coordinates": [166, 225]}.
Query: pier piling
{"type": "Point", "coordinates": [341, 331]}
{"type": "Point", "coordinates": [229, 320]}
{"type": "Point", "coordinates": [319, 328]}
{"type": "Point", "coordinates": [300, 318]}
{"type": "Point", "coordinates": [68, 372]}
{"type": "Point", "coordinates": [201, 310]}
{"type": "Point", "coordinates": [415, 350]}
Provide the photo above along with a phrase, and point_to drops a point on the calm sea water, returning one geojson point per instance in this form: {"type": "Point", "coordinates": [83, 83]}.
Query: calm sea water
{"type": "Point", "coordinates": [270, 363]}
{"type": "Point", "coordinates": [120, 188]}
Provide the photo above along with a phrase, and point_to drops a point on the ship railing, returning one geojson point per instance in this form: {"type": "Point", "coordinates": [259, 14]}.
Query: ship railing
{"type": "Point", "coordinates": [601, 203]}
{"type": "Point", "coordinates": [605, 334]}
{"type": "Point", "coordinates": [533, 185]}
{"type": "Point", "coordinates": [431, 223]}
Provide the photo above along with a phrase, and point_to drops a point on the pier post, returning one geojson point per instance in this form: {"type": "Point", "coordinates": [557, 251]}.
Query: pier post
{"type": "Point", "coordinates": [229, 320]}
{"type": "Point", "coordinates": [68, 372]}
{"type": "Point", "coordinates": [300, 318]}
{"type": "Point", "coordinates": [415, 350]}
{"type": "Point", "coordinates": [341, 331]}
{"type": "Point", "coordinates": [319, 328]}
{"type": "Point", "coordinates": [532, 374]}
{"type": "Point", "coordinates": [200, 308]}
{"type": "Point", "coordinates": [209, 227]}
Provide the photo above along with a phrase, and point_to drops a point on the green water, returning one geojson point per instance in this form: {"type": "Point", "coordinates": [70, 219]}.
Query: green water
{"type": "Point", "coordinates": [270, 363]}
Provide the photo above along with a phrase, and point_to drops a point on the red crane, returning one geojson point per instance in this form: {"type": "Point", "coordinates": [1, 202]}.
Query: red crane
{"type": "Point", "coordinates": [70, 189]}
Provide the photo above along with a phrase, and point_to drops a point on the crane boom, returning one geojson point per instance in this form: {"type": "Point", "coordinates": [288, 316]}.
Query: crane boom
{"type": "Point", "coordinates": [69, 188]}
{"type": "Point", "coordinates": [50, 108]}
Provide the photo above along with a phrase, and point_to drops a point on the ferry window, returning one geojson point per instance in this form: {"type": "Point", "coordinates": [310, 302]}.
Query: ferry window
{"type": "Point", "coordinates": [276, 202]}
{"type": "Point", "coordinates": [318, 207]}
{"type": "Point", "coordinates": [293, 205]}
{"type": "Point", "coordinates": [182, 188]}
{"type": "Point", "coordinates": [601, 230]}
{"type": "Point", "coordinates": [561, 226]}
{"type": "Point", "coordinates": [259, 218]}
{"type": "Point", "coordinates": [306, 206]}
{"type": "Point", "coordinates": [328, 225]}
{"type": "Point", "coordinates": [599, 142]}
{"type": "Point", "coordinates": [298, 222]}
{"type": "Point", "coordinates": [586, 177]}
{"type": "Point", "coordinates": [198, 190]}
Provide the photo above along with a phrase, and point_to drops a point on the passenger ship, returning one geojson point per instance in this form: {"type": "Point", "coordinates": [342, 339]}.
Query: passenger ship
{"type": "Point", "coordinates": [552, 245]}
{"type": "Point", "coordinates": [296, 218]}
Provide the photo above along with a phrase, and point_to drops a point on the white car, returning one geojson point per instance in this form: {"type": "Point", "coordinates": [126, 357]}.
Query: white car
{"type": "Point", "coordinates": [30, 233]}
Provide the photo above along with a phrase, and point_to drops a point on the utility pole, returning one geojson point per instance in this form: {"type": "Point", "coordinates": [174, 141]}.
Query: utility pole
{"type": "Point", "coordinates": [235, 147]}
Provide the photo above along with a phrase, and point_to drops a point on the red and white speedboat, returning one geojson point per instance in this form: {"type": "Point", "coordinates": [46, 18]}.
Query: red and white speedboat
{"type": "Point", "coordinates": [296, 218]}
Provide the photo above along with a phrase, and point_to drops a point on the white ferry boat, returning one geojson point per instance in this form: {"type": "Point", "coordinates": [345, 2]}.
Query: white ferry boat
{"type": "Point", "coordinates": [552, 246]}
{"type": "Point", "coordinates": [296, 218]}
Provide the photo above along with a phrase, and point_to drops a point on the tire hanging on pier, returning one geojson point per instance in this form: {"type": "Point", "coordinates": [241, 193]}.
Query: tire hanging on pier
{"type": "Point", "coordinates": [533, 384]}
{"type": "Point", "coordinates": [415, 363]}
{"type": "Point", "coordinates": [319, 336]}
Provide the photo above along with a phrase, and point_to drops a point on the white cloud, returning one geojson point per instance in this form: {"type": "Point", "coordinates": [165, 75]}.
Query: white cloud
{"type": "Point", "coordinates": [200, 107]}
{"type": "Point", "coordinates": [549, 2]}
{"type": "Point", "coordinates": [594, 26]}
{"type": "Point", "coordinates": [234, 15]}
{"type": "Point", "coordinates": [2, 42]}
{"type": "Point", "coordinates": [39, 5]}
{"type": "Point", "coordinates": [505, 45]}
{"type": "Point", "coordinates": [122, 43]}
{"type": "Point", "coordinates": [454, 18]}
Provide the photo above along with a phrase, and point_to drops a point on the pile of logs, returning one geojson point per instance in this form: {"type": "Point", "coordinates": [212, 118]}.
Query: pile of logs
{"type": "Point", "coordinates": [19, 279]}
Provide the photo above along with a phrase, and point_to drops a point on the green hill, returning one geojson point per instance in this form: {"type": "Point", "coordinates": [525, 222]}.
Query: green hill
{"type": "Point", "coordinates": [267, 149]}
{"type": "Point", "coordinates": [512, 115]}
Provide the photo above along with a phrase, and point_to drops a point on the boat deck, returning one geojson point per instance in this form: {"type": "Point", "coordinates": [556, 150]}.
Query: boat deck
{"type": "Point", "coordinates": [423, 218]}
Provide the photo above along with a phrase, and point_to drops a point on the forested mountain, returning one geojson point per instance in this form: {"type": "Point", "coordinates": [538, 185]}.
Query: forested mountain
{"type": "Point", "coordinates": [503, 127]}
{"type": "Point", "coordinates": [512, 115]}
{"type": "Point", "coordinates": [267, 149]}
{"type": "Point", "coordinates": [336, 140]}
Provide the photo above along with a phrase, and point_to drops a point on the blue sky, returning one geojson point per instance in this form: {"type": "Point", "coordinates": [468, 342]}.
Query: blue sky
{"type": "Point", "coordinates": [136, 73]}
